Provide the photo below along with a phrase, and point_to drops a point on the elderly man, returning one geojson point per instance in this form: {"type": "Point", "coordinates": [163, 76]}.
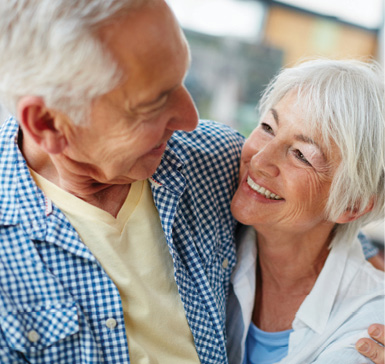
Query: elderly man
{"type": "Point", "coordinates": [87, 273]}
{"type": "Point", "coordinates": [116, 239]}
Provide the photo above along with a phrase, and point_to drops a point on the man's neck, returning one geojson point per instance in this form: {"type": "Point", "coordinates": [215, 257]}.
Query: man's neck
{"type": "Point", "coordinates": [107, 197]}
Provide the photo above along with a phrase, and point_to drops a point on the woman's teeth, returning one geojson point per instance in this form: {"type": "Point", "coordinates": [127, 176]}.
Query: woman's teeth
{"type": "Point", "coordinates": [262, 190]}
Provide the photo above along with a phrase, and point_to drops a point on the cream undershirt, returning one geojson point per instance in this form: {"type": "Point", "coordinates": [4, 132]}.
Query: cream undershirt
{"type": "Point", "coordinates": [133, 251]}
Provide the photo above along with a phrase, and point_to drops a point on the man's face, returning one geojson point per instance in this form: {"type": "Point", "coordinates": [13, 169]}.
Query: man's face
{"type": "Point", "coordinates": [129, 127]}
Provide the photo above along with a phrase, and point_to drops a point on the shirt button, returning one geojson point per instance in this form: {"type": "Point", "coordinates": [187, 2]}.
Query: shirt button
{"type": "Point", "coordinates": [225, 263]}
{"type": "Point", "coordinates": [33, 336]}
{"type": "Point", "coordinates": [111, 323]}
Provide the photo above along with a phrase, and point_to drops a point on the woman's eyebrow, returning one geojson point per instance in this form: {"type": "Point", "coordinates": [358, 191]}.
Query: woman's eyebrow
{"type": "Point", "coordinates": [275, 115]}
{"type": "Point", "coordinates": [306, 139]}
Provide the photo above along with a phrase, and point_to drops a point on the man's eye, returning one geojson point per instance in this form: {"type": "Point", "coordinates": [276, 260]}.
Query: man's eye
{"type": "Point", "coordinates": [154, 107]}
{"type": "Point", "coordinates": [298, 154]}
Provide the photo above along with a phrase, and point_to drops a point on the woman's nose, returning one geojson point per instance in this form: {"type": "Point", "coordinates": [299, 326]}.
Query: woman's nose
{"type": "Point", "coordinates": [265, 161]}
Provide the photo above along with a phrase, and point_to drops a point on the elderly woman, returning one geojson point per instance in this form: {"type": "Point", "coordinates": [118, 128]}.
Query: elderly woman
{"type": "Point", "coordinates": [312, 174]}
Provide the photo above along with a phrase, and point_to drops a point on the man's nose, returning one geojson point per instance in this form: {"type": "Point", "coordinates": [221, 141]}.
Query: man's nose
{"type": "Point", "coordinates": [185, 115]}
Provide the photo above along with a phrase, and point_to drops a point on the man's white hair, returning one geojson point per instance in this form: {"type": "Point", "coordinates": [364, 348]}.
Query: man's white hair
{"type": "Point", "coordinates": [49, 48]}
{"type": "Point", "coordinates": [345, 101]}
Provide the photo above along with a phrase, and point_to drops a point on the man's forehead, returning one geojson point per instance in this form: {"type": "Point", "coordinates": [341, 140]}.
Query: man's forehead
{"type": "Point", "coordinates": [153, 64]}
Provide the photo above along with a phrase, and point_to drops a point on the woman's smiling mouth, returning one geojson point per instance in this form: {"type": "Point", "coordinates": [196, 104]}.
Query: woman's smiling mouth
{"type": "Point", "coordinates": [262, 190]}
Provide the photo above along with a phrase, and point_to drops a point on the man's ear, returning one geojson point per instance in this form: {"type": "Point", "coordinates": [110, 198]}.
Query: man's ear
{"type": "Point", "coordinates": [354, 214]}
{"type": "Point", "coordinates": [41, 124]}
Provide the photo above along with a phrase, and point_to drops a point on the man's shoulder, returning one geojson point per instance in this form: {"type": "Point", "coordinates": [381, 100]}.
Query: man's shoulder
{"type": "Point", "coordinates": [8, 131]}
{"type": "Point", "coordinates": [209, 138]}
{"type": "Point", "coordinates": [210, 130]}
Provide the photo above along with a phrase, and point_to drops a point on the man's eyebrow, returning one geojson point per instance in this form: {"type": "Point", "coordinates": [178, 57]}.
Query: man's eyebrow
{"type": "Point", "coordinates": [156, 99]}
{"type": "Point", "coordinates": [165, 92]}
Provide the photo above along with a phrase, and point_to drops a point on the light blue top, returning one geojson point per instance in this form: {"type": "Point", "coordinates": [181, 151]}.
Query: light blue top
{"type": "Point", "coordinates": [264, 347]}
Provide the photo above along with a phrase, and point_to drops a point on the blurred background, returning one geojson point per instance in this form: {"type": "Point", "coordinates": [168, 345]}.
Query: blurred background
{"type": "Point", "coordinates": [237, 46]}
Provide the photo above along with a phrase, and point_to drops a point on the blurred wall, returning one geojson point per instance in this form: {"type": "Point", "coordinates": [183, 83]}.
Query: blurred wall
{"type": "Point", "coordinates": [303, 34]}
{"type": "Point", "coordinates": [381, 41]}
{"type": "Point", "coordinates": [227, 76]}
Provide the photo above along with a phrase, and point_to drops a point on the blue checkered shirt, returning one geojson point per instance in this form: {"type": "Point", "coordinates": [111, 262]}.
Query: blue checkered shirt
{"type": "Point", "coordinates": [55, 297]}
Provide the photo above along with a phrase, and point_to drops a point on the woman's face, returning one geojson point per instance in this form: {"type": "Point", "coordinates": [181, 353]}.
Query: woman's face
{"type": "Point", "coordinates": [285, 173]}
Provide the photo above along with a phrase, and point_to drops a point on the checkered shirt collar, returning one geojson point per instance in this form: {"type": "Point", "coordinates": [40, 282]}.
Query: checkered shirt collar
{"type": "Point", "coordinates": [16, 209]}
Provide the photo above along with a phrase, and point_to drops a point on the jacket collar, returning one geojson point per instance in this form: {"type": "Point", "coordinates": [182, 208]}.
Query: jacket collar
{"type": "Point", "coordinates": [315, 310]}
{"type": "Point", "coordinates": [15, 177]}
{"type": "Point", "coordinates": [168, 174]}
{"type": "Point", "coordinates": [243, 277]}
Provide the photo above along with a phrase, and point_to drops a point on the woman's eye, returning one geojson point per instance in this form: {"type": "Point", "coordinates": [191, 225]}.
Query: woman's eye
{"type": "Point", "coordinates": [298, 154]}
{"type": "Point", "coordinates": [267, 128]}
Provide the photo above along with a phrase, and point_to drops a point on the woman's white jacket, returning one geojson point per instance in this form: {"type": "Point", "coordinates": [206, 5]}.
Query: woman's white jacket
{"type": "Point", "coordinates": [347, 297]}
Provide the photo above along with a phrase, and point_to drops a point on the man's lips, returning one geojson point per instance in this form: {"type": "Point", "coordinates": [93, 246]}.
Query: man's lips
{"type": "Point", "coordinates": [159, 148]}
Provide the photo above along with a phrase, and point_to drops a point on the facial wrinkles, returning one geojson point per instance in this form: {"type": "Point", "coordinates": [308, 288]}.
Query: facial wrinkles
{"type": "Point", "coordinates": [302, 193]}
{"type": "Point", "coordinates": [324, 164]}
{"type": "Point", "coordinates": [131, 124]}
{"type": "Point", "coordinates": [314, 157]}
{"type": "Point", "coordinates": [308, 202]}
{"type": "Point", "coordinates": [108, 150]}
{"type": "Point", "coordinates": [151, 108]}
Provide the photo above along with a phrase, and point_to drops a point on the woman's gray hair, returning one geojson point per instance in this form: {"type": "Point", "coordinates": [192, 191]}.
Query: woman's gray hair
{"type": "Point", "coordinates": [345, 101]}
{"type": "Point", "coordinates": [49, 48]}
